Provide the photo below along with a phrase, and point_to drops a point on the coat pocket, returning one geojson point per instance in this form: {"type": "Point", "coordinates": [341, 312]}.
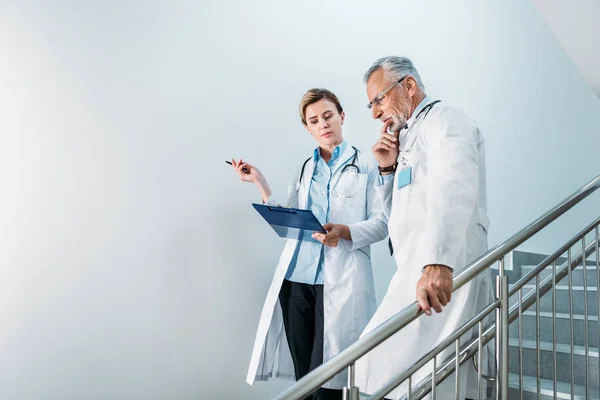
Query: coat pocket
{"type": "Point", "coordinates": [349, 205]}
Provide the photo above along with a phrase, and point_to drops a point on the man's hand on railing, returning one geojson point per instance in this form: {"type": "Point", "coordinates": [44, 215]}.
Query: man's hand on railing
{"type": "Point", "coordinates": [434, 289]}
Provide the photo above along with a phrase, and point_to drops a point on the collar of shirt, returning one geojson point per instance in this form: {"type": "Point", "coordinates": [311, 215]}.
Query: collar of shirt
{"type": "Point", "coordinates": [413, 117]}
{"type": "Point", "coordinates": [339, 150]}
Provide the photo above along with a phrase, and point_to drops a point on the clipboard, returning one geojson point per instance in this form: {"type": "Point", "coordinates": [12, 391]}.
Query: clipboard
{"type": "Point", "coordinates": [290, 223]}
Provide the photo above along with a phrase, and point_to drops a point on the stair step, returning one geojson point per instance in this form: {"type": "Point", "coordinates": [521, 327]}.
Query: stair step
{"type": "Point", "coordinates": [563, 328]}
{"type": "Point", "coordinates": [590, 265]}
{"type": "Point", "coordinates": [562, 299]}
{"type": "Point", "coordinates": [576, 274]}
{"type": "Point", "coordinates": [560, 347]}
{"type": "Point", "coordinates": [563, 356]}
{"type": "Point", "coordinates": [576, 317]}
{"type": "Point", "coordinates": [560, 286]}
{"type": "Point", "coordinates": [563, 389]}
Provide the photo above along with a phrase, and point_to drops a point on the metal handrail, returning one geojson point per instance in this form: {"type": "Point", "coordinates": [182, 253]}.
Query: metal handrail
{"type": "Point", "coordinates": [323, 373]}
{"type": "Point", "coordinates": [401, 377]}
{"type": "Point", "coordinates": [468, 350]}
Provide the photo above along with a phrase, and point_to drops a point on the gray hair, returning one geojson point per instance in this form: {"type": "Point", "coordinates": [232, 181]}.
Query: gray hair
{"type": "Point", "coordinates": [395, 68]}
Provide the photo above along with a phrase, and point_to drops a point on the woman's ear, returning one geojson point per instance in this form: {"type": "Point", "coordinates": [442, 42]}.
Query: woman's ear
{"type": "Point", "coordinates": [343, 115]}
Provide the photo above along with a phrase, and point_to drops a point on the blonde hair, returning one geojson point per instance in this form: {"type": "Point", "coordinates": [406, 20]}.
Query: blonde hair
{"type": "Point", "coordinates": [314, 95]}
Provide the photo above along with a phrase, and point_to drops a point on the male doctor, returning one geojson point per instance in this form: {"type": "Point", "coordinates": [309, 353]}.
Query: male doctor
{"type": "Point", "coordinates": [432, 184]}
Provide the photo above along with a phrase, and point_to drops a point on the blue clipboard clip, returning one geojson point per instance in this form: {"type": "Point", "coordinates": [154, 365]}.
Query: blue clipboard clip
{"type": "Point", "coordinates": [290, 223]}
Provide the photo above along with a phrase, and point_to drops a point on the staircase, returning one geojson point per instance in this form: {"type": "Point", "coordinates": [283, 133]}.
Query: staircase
{"type": "Point", "coordinates": [543, 349]}
{"type": "Point", "coordinates": [523, 263]}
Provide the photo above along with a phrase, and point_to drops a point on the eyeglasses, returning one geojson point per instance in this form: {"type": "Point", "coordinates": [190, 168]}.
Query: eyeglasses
{"type": "Point", "coordinates": [377, 100]}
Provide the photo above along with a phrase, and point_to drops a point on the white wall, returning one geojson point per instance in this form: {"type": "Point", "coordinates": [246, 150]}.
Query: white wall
{"type": "Point", "coordinates": [575, 24]}
{"type": "Point", "coordinates": [132, 265]}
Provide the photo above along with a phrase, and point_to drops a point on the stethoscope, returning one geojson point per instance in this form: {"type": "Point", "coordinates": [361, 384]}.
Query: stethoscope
{"type": "Point", "coordinates": [427, 108]}
{"type": "Point", "coordinates": [346, 167]}
{"type": "Point", "coordinates": [403, 160]}
{"type": "Point", "coordinates": [424, 111]}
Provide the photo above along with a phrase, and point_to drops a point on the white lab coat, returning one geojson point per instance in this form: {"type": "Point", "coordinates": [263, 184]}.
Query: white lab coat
{"type": "Point", "coordinates": [349, 293]}
{"type": "Point", "coordinates": [440, 218]}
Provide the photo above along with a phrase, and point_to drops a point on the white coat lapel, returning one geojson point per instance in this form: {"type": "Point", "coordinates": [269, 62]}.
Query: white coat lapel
{"type": "Point", "coordinates": [304, 188]}
{"type": "Point", "coordinates": [344, 159]}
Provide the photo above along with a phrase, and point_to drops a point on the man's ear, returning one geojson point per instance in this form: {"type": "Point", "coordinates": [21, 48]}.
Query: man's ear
{"type": "Point", "coordinates": [411, 85]}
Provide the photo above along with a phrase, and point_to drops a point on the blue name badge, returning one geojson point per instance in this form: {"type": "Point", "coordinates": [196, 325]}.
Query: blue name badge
{"type": "Point", "coordinates": [404, 177]}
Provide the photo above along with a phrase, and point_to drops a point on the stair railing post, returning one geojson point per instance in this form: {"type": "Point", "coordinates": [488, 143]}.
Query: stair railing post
{"type": "Point", "coordinates": [351, 392]}
{"type": "Point", "coordinates": [502, 333]}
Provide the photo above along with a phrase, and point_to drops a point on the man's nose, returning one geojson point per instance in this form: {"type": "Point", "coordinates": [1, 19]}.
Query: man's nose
{"type": "Point", "coordinates": [375, 112]}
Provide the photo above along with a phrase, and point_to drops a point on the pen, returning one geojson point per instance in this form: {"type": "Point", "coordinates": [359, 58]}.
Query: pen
{"type": "Point", "coordinates": [243, 169]}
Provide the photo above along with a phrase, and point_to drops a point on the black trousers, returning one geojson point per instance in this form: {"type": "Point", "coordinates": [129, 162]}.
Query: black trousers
{"type": "Point", "coordinates": [302, 306]}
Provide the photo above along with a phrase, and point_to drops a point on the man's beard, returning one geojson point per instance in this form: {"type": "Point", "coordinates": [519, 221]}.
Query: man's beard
{"type": "Point", "coordinates": [398, 123]}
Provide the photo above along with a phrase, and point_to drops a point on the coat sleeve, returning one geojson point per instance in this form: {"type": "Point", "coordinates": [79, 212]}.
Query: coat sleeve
{"type": "Point", "coordinates": [292, 193]}
{"type": "Point", "coordinates": [384, 187]}
{"type": "Point", "coordinates": [452, 188]}
{"type": "Point", "coordinates": [374, 228]}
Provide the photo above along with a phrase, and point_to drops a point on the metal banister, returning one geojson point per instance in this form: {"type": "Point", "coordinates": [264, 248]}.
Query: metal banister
{"type": "Point", "coordinates": [401, 377]}
{"type": "Point", "coordinates": [469, 349]}
{"type": "Point", "coordinates": [323, 373]}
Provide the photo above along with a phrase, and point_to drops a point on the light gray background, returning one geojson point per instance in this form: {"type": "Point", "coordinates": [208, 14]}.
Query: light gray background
{"type": "Point", "coordinates": [132, 265]}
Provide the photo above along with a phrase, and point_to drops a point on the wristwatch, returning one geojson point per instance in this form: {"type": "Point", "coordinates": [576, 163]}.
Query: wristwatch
{"type": "Point", "coordinates": [391, 168]}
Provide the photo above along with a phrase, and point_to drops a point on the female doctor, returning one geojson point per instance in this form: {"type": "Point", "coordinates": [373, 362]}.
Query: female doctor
{"type": "Point", "coordinates": [322, 295]}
